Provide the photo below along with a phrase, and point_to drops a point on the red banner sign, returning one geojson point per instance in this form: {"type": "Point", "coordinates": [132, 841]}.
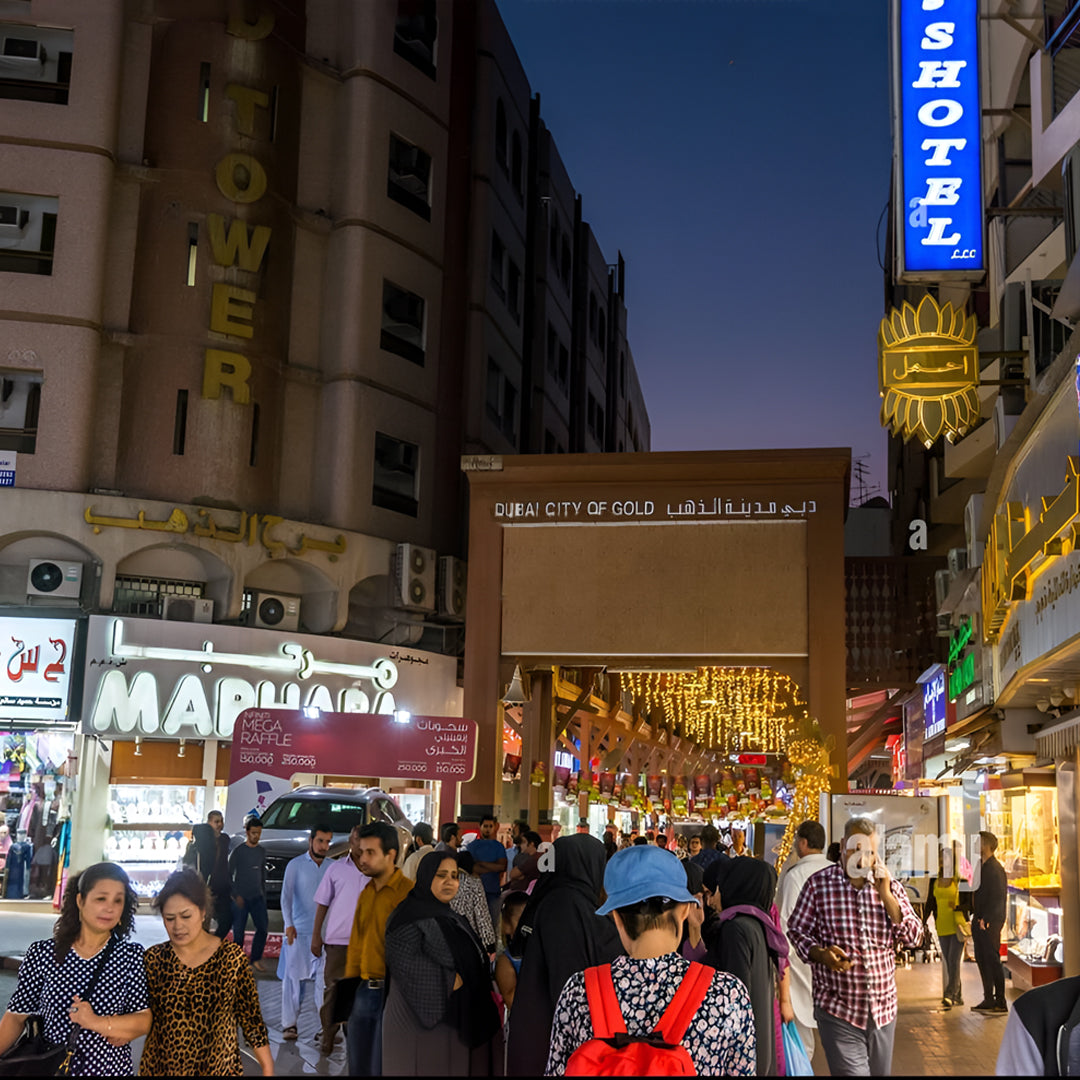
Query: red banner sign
{"type": "Point", "coordinates": [270, 745]}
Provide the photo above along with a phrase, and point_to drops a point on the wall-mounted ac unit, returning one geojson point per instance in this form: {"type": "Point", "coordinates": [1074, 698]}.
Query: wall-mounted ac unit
{"type": "Point", "coordinates": [942, 581]}
{"type": "Point", "coordinates": [24, 50]}
{"type": "Point", "coordinates": [414, 574]}
{"type": "Point", "coordinates": [972, 514]}
{"type": "Point", "coordinates": [54, 579]}
{"type": "Point", "coordinates": [274, 611]}
{"type": "Point", "coordinates": [451, 586]}
{"type": "Point", "coordinates": [187, 609]}
{"type": "Point", "coordinates": [13, 218]}
{"type": "Point", "coordinates": [958, 560]}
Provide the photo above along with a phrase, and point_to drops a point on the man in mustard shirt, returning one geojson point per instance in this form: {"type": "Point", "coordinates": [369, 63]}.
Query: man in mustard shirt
{"type": "Point", "coordinates": [366, 957]}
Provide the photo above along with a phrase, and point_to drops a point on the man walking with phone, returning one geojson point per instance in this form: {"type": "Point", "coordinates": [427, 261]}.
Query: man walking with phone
{"type": "Point", "coordinates": [846, 925]}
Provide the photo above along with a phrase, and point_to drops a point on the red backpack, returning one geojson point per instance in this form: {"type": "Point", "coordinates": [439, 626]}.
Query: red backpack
{"type": "Point", "coordinates": [612, 1052]}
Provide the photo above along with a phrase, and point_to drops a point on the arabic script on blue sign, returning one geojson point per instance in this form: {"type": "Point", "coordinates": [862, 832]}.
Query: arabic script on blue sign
{"type": "Point", "coordinates": [940, 128]}
{"type": "Point", "coordinates": [934, 705]}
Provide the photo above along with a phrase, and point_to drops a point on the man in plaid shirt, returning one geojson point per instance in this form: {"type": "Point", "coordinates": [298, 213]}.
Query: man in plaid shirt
{"type": "Point", "coordinates": [846, 925]}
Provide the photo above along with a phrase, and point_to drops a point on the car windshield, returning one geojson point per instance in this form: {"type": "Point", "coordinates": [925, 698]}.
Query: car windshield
{"type": "Point", "coordinates": [292, 813]}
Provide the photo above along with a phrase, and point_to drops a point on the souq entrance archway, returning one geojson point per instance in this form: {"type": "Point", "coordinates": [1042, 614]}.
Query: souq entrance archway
{"type": "Point", "coordinates": [653, 616]}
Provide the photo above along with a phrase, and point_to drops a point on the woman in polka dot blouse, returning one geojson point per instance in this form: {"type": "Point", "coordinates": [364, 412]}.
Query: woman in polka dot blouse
{"type": "Point", "coordinates": [99, 908]}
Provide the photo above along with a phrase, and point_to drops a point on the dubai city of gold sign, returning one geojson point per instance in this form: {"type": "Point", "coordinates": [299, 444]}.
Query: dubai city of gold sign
{"type": "Point", "coordinates": [929, 371]}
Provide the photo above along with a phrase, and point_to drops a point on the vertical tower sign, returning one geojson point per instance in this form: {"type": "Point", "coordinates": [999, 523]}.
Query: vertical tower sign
{"type": "Point", "coordinates": [938, 143]}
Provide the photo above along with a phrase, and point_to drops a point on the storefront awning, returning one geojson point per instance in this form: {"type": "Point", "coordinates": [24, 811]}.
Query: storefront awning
{"type": "Point", "coordinates": [1060, 739]}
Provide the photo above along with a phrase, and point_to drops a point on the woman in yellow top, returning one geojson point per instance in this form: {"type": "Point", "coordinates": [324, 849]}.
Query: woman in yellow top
{"type": "Point", "coordinates": [201, 988]}
{"type": "Point", "coordinates": [946, 901]}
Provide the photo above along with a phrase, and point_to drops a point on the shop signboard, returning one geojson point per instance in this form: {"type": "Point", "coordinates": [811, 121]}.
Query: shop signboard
{"type": "Point", "coordinates": [936, 102]}
{"type": "Point", "coordinates": [36, 681]}
{"type": "Point", "coordinates": [935, 701]}
{"type": "Point", "coordinates": [173, 680]}
{"type": "Point", "coordinates": [270, 745]}
{"type": "Point", "coordinates": [8, 465]}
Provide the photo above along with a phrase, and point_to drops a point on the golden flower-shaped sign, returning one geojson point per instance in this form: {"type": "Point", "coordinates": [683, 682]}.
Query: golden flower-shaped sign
{"type": "Point", "coordinates": [929, 371]}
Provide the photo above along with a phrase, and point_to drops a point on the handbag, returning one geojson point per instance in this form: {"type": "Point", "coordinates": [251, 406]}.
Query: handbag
{"type": "Point", "coordinates": [344, 993]}
{"type": "Point", "coordinates": [796, 1063]}
{"type": "Point", "coordinates": [35, 1055]}
{"type": "Point", "coordinates": [963, 925]}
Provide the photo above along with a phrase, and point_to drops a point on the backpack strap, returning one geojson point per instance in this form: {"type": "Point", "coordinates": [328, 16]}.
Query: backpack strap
{"type": "Point", "coordinates": [685, 1004]}
{"type": "Point", "coordinates": [604, 1009]}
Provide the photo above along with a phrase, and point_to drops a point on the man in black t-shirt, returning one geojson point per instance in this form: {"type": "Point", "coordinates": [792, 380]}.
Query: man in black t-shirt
{"type": "Point", "coordinates": [247, 870]}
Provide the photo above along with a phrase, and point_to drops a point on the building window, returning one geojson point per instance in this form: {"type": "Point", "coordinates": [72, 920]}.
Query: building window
{"type": "Point", "coordinates": [397, 470]}
{"type": "Point", "coordinates": [20, 403]}
{"type": "Point", "coordinates": [416, 31]}
{"type": "Point", "coordinates": [493, 391]}
{"type": "Point", "coordinates": [564, 271]}
{"type": "Point", "coordinates": [500, 134]}
{"type": "Point", "coordinates": [515, 165]}
{"type": "Point", "coordinates": [513, 290]}
{"type": "Point", "coordinates": [402, 323]}
{"type": "Point", "coordinates": [595, 419]}
{"type": "Point", "coordinates": [27, 233]}
{"type": "Point", "coordinates": [498, 265]}
{"type": "Point", "coordinates": [409, 177]}
{"type": "Point", "coordinates": [593, 308]}
{"type": "Point", "coordinates": [601, 331]}
{"type": "Point", "coordinates": [35, 63]}
{"type": "Point", "coordinates": [146, 596]}
{"type": "Point", "coordinates": [553, 239]}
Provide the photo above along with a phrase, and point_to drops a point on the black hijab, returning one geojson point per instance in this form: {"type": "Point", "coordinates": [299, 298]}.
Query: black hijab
{"type": "Point", "coordinates": [743, 881]}
{"type": "Point", "coordinates": [559, 934]}
{"type": "Point", "coordinates": [471, 1008]}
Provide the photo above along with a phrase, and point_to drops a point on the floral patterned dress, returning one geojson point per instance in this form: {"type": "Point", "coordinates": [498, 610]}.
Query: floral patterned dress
{"type": "Point", "coordinates": [720, 1040]}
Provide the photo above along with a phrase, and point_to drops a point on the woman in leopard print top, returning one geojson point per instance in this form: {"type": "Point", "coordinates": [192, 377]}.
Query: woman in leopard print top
{"type": "Point", "coordinates": [201, 988]}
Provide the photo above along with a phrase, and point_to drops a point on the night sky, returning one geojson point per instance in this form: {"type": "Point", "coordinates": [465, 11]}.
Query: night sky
{"type": "Point", "coordinates": [738, 153]}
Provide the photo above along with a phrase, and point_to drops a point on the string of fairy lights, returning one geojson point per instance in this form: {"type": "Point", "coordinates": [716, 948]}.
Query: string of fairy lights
{"type": "Point", "coordinates": [727, 708]}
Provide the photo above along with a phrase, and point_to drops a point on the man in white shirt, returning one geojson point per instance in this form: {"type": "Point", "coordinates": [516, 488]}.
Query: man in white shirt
{"type": "Point", "coordinates": [336, 899]}
{"type": "Point", "coordinates": [810, 847]}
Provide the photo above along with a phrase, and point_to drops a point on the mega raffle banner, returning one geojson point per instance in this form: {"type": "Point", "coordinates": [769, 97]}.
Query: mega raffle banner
{"type": "Point", "coordinates": [270, 745]}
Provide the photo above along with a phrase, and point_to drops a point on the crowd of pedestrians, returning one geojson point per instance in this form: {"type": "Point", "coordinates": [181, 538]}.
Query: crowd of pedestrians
{"type": "Point", "coordinates": [577, 956]}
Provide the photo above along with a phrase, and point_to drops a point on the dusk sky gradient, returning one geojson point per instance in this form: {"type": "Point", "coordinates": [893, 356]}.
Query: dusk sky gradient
{"type": "Point", "coordinates": [737, 152]}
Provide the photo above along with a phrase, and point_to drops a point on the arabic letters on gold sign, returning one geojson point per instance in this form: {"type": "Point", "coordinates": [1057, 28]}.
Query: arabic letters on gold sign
{"type": "Point", "coordinates": [1018, 538]}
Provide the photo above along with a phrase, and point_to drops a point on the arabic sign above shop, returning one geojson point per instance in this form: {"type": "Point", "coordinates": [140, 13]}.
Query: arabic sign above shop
{"type": "Point", "coordinates": [618, 511]}
{"type": "Point", "coordinates": [169, 680]}
{"type": "Point", "coordinates": [928, 371]}
{"type": "Point", "coordinates": [935, 703]}
{"type": "Point", "coordinates": [271, 745]}
{"type": "Point", "coordinates": [938, 124]}
{"type": "Point", "coordinates": [36, 679]}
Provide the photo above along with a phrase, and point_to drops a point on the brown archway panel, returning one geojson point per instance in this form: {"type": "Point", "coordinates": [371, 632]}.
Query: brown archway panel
{"type": "Point", "coordinates": [736, 589]}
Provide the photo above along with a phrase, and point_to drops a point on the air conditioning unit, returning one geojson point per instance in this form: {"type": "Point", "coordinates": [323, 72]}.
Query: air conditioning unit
{"type": "Point", "coordinates": [944, 626]}
{"type": "Point", "coordinates": [13, 218]}
{"type": "Point", "coordinates": [451, 586]}
{"type": "Point", "coordinates": [26, 50]}
{"type": "Point", "coordinates": [942, 581]}
{"type": "Point", "coordinates": [414, 578]}
{"type": "Point", "coordinates": [972, 515]}
{"type": "Point", "coordinates": [958, 560]}
{"type": "Point", "coordinates": [187, 609]}
{"type": "Point", "coordinates": [274, 611]}
{"type": "Point", "coordinates": [54, 579]}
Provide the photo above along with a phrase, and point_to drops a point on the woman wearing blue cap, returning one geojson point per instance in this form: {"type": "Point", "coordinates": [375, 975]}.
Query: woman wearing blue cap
{"type": "Point", "coordinates": [648, 901]}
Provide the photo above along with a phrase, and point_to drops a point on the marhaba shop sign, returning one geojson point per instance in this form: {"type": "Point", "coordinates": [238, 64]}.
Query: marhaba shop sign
{"type": "Point", "coordinates": [270, 745]}
{"type": "Point", "coordinates": [171, 680]}
{"type": "Point", "coordinates": [36, 677]}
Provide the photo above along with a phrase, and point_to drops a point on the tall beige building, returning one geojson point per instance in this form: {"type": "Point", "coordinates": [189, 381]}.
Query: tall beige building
{"type": "Point", "coordinates": [268, 268]}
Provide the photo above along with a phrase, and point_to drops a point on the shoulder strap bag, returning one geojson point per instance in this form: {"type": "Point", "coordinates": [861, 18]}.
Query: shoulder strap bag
{"type": "Point", "coordinates": [33, 1054]}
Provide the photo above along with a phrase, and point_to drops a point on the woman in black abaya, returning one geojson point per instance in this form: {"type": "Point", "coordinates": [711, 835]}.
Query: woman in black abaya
{"type": "Point", "coordinates": [439, 1008]}
{"type": "Point", "coordinates": [559, 934]}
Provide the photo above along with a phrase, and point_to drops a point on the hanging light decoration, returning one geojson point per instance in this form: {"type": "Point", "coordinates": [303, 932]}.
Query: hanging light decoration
{"type": "Point", "coordinates": [727, 708]}
{"type": "Point", "coordinates": [808, 755]}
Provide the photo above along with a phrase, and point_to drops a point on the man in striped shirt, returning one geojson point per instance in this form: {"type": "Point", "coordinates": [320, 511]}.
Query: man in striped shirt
{"type": "Point", "coordinates": [846, 925]}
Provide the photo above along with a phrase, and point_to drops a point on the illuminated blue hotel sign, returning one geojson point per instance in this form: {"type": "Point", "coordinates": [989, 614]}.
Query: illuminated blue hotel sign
{"type": "Point", "coordinates": [937, 69]}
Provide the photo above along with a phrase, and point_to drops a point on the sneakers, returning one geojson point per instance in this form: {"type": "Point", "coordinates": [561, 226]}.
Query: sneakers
{"type": "Point", "coordinates": [999, 1007]}
{"type": "Point", "coordinates": [984, 1006]}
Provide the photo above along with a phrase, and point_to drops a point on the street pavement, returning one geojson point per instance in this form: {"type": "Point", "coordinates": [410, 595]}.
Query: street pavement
{"type": "Point", "coordinates": [930, 1041]}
